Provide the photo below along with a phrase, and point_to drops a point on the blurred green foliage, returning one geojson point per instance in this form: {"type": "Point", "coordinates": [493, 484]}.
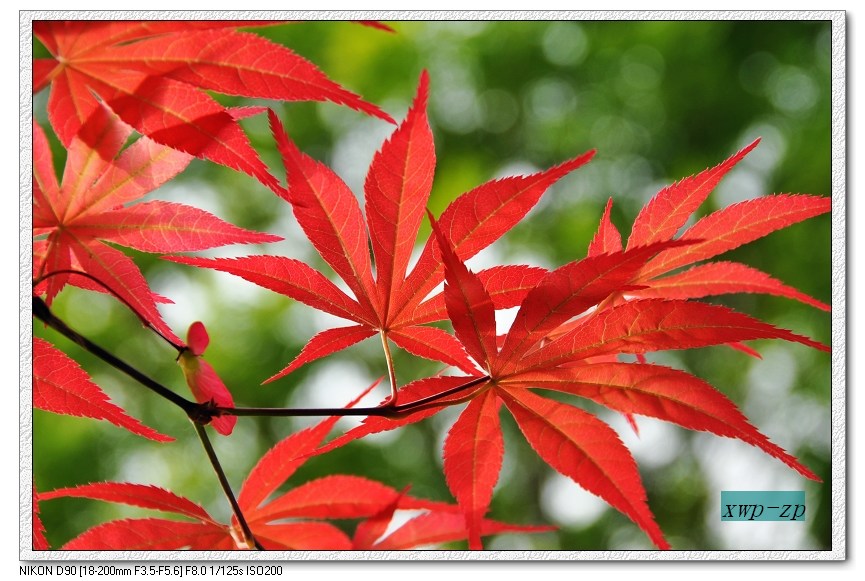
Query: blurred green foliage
{"type": "Point", "coordinates": [659, 101]}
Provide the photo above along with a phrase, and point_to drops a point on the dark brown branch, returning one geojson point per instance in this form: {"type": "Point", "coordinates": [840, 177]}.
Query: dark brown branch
{"type": "Point", "coordinates": [194, 410]}
{"type": "Point", "coordinates": [249, 538]}
{"type": "Point", "coordinates": [141, 317]}
{"type": "Point", "coordinates": [386, 410]}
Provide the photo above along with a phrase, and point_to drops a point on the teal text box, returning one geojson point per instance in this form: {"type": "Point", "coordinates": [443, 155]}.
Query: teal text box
{"type": "Point", "coordinates": [763, 505]}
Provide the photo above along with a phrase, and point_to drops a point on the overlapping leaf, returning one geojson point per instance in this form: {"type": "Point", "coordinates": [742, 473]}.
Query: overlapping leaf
{"type": "Point", "coordinates": [155, 75]}
{"type": "Point", "coordinates": [720, 231]}
{"type": "Point", "coordinates": [60, 386]}
{"type": "Point", "coordinates": [390, 301]}
{"type": "Point", "coordinates": [40, 543]}
{"type": "Point", "coordinates": [75, 218]}
{"type": "Point", "coordinates": [660, 392]}
{"type": "Point", "coordinates": [576, 363]}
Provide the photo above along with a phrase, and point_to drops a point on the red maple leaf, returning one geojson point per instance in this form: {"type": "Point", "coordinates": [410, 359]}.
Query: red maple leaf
{"type": "Point", "coordinates": [155, 76]}
{"type": "Point", "coordinates": [40, 543]}
{"type": "Point", "coordinates": [74, 219]}
{"type": "Point", "coordinates": [390, 302]}
{"type": "Point", "coordinates": [718, 232]}
{"type": "Point", "coordinates": [580, 361]}
{"type": "Point", "coordinates": [293, 520]}
{"type": "Point", "coordinates": [60, 386]}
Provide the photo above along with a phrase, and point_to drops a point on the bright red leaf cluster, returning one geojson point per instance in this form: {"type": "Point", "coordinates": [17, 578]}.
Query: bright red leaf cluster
{"type": "Point", "coordinates": [155, 76]}
{"type": "Point", "coordinates": [572, 328]}
{"type": "Point", "coordinates": [391, 302]}
{"type": "Point", "coordinates": [75, 218]}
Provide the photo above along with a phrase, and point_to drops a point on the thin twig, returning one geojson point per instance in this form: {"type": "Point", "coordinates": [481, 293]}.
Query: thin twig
{"type": "Point", "coordinates": [142, 318]}
{"type": "Point", "coordinates": [385, 410]}
{"type": "Point", "coordinates": [248, 537]}
{"type": "Point", "coordinates": [201, 413]}
{"type": "Point", "coordinates": [44, 314]}
{"type": "Point", "coordinates": [433, 399]}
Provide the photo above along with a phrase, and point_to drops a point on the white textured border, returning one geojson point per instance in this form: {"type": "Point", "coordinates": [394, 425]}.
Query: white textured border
{"type": "Point", "coordinates": [839, 311]}
{"type": "Point", "coordinates": [839, 288]}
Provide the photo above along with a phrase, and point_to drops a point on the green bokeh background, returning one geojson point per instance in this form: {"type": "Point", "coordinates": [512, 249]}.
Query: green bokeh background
{"type": "Point", "coordinates": [659, 101]}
